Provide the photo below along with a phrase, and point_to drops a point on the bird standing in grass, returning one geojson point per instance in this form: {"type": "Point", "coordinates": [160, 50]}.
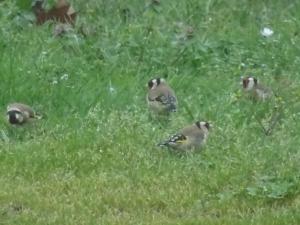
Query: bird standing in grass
{"type": "Point", "coordinates": [255, 90]}
{"type": "Point", "coordinates": [161, 98]}
{"type": "Point", "coordinates": [18, 113]}
{"type": "Point", "coordinates": [189, 138]}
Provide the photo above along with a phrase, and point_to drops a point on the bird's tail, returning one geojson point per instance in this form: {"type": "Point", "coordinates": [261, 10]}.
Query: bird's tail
{"type": "Point", "coordinates": [162, 144]}
{"type": "Point", "coordinates": [172, 108]}
{"type": "Point", "coordinates": [38, 116]}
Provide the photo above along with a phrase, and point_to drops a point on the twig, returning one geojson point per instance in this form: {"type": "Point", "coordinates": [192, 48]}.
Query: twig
{"type": "Point", "coordinates": [274, 120]}
{"type": "Point", "coordinates": [188, 110]}
{"type": "Point", "coordinates": [271, 124]}
{"type": "Point", "coordinates": [262, 126]}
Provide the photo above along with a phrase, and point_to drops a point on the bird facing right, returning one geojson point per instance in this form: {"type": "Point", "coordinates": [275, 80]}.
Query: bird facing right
{"type": "Point", "coordinates": [161, 98]}
{"type": "Point", "coordinates": [189, 138]}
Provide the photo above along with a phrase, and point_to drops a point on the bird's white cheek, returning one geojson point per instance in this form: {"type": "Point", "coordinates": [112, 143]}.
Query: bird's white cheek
{"type": "Point", "coordinates": [154, 85]}
{"type": "Point", "coordinates": [250, 85]}
{"type": "Point", "coordinates": [19, 118]}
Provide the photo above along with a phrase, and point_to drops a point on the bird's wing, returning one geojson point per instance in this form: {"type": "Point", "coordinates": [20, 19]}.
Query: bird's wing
{"type": "Point", "coordinates": [176, 139]}
{"type": "Point", "coordinates": [168, 101]}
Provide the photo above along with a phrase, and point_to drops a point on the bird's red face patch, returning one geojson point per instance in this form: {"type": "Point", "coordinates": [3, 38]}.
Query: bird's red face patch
{"type": "Point", "coordinates": [245, 82]}
{"type": "Point", "coordinates": [153, 83]}
{"type": "Point", "coordinates": [249, 82]}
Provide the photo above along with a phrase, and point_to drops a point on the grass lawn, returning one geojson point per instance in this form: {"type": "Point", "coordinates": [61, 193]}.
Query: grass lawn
{"type": "Point", "coordinates": [93, 158]}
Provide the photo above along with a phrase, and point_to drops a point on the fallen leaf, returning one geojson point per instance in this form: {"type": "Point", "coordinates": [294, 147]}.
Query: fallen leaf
{"type": "Point", "coordinates": [62, 12]}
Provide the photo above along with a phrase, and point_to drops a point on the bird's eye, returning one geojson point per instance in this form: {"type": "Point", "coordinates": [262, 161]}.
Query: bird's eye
{"type": "Point", "coordinates": [207, 125]}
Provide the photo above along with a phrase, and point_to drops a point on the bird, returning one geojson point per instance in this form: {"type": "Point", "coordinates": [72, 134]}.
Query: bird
{"type": "Point", "coordinates": [255, 90]}
{"type": "Point", "coordinates": [189, 138]}
{"type": "Point", "coordinates": [19, 113]}
{"type": "Point", "coordinates": [161, 97]}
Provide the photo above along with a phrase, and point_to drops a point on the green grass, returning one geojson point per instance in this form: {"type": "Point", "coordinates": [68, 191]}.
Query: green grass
{"type": "Point", "coordinates": [93, 158]}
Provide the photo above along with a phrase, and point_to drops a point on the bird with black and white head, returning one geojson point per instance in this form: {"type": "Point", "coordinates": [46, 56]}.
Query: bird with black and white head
{"type": "Point", "coordinates": [255, 90]}
{"type": "Point", "coordinates": [161, 97]}
{"type": "Point", "coordinates": [191, 137]}
{"type": "Point", "coordinates": [19, 113]}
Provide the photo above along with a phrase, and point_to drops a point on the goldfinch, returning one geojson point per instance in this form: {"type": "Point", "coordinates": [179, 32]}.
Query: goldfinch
{"type": "Point", "coordinates": [255, 89]}
{"type": "Point", "coordinates": [18, 113]}
{"type": "Point", "coordinates": [189, 138]}
{"type": "Point", "coordinates": [161, 98]}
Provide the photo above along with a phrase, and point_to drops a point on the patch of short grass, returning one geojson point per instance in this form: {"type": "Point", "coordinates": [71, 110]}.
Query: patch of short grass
{"type": "Point", "coordinates": [93, 158]}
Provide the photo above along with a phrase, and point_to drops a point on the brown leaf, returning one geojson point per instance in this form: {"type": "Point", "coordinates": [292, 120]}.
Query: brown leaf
{"type": "Point", "coordinates": [62, 12]}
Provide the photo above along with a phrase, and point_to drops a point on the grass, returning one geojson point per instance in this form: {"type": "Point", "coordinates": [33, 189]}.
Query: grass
{"type": "Point", "coordinates": [93, 158]}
